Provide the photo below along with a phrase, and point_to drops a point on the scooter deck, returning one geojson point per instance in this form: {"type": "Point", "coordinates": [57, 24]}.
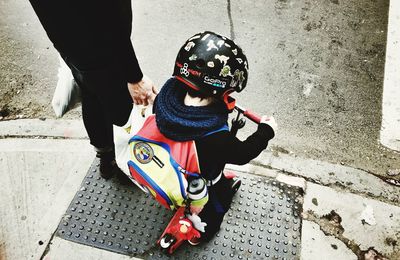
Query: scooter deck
{"type": "Point", "coordinates": [263, 222]}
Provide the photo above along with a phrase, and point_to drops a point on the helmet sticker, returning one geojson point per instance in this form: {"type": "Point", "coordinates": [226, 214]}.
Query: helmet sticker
{"type": "Point", "coordinates": [184, 70]}
{"type": "Point", "coordinates": [227, 45]}
{"type": "Point", "coordinates": [205, 37]}
{"type": "Point", "coordinates": [210, 64]}
{"type": "Point", "coordinates": [211, 45]}
{"type": "Point", "coordinates": [222, 58]}
{"type": "Point", "coordinates": [189, 45]}
{"type": "Point", "coordinates": [194, 37]}
{"type": "Point", "coordinates": [193, 57]}
{"type": "Point", "coordinates": [234, 51]}
{"type": "Point", "coordinates": [195, 72]}
{"type": "Point", "coordinates": [220, 43]}
{"type": "Point", "coordinates": [226, 71]}
{"type": "Point", "coordinates": [239, 60]}
{"type": "Point", "coordinates": [237, 80]}
{"type": "Point", "coordinates": [214, 82]}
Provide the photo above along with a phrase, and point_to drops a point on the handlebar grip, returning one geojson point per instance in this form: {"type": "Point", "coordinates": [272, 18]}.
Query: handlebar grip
{"type": "Point", "coordinates": [252, 116]}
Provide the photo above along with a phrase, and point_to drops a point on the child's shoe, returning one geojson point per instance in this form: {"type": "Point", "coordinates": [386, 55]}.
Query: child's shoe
{"type": "Point", "coordinates": [235, 185]}
{"type": "Point", "coordinates": [232, 180]}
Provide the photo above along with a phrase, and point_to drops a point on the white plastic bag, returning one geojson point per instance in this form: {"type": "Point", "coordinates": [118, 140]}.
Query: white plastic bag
{"type": "Point", "coordinates": [67, 94]}
{"type": "Point", "coordinates": [137, 118]}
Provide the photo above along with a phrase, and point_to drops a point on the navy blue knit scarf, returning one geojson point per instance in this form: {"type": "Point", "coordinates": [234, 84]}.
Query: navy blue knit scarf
{"type": "Point", "coordinates": [179, 122]}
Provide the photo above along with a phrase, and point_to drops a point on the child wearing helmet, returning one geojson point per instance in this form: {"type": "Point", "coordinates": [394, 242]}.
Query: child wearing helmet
{"type": "Point", "coordinates": [191, 111]}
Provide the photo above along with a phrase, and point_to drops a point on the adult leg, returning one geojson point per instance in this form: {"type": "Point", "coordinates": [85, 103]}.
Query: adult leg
{"type": "Point", "coordinates": [96, 121]}
{"type": "Point", "coordinates": [102, 105]}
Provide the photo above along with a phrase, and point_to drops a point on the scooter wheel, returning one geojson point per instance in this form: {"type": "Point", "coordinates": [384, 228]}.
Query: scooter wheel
{"type": "Point", "coordinates": [167, 241]}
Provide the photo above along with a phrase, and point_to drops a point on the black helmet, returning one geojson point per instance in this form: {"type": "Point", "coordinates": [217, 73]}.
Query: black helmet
{"type": "Point", "coordinates": [212, 64]}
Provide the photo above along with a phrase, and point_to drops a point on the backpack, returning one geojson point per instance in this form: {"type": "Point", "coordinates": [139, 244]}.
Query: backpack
{"type": "Point", "coordinates": [160, 164]}
{"type": "Point", "coordinates": [163, 165]}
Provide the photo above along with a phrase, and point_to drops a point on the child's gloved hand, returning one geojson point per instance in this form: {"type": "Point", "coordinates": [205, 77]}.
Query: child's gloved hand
{"type": "Point", "coordinates": [269, 120]}
{"type": "Point", "coordinates": [196, 220]}
{"type": "Point", "coordinates": [196, 209]}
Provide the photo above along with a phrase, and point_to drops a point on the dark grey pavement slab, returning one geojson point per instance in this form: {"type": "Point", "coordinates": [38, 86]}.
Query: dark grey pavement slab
{"type": "Point", "coordinates": [264, 221]}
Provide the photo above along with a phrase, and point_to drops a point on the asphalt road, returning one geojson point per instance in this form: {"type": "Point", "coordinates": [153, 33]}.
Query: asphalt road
{"type": "Point", "coordinates": [316, 65]}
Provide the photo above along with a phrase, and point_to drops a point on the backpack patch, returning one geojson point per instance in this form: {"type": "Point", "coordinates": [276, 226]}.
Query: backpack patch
{"type": "Point", "coordinates": [153, 166]}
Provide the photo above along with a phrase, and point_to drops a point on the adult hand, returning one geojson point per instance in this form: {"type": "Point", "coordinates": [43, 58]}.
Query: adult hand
{"type": "Point", "coordinates": [269, 120]}
{"type": "Point", "coordinates": [143, 92]}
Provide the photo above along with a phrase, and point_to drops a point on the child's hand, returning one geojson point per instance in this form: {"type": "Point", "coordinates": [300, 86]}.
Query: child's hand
{"type": "Point", "coordinates": [200, 226]}
{"type": "Point", "coordinates": [196, 209]}
{"type": "Point", "coordinates": [269, 120]}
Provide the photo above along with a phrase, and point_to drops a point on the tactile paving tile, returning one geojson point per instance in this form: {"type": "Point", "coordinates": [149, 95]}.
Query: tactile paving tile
{"type": "Point", "coordinates": [263, 223]}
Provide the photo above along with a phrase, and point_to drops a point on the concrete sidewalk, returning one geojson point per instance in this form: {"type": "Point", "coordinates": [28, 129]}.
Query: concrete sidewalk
{"type": "Point", "coordinates": [347, 211]}
{"type": "Point", "coordinates": [42, 168]}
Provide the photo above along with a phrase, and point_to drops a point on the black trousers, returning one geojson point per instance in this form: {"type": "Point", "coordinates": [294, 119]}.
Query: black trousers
{"type": "Point", "coordinates": [105, 101]}
{"type": "Point", "coordinates": [219, 202]}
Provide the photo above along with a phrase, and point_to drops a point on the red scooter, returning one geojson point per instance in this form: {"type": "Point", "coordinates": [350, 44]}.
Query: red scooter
{"type": "Point", "coordinates": [180, 228]}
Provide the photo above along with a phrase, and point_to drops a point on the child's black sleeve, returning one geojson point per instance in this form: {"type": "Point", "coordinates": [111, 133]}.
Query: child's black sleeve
{"type": "Point", "coordinates": [220, 148]}
{"type": "Point", "coordinates": [241, 152]}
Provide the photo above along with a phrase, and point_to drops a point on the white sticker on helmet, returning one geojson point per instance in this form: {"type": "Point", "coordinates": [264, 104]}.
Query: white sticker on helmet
{"type": "Point", "coordinates": [210, 64]}
{"type": "Point", "coordinates": [227, 45]}
{"type": "Point", "coordinates": [205, 37]}
{"type": "Point", "coordinates": [214, 82]}
{"type": "Point", "coordinates": [234, 51]}
{"type": "Point", "coordinates": [193, 57]}
{"type": "Point", "coordinates": [222, 58]}
{"type": "Point", "coordinates": [189, 45]}
{"type": "Point", "coordinates": [194, 37]}
{"type": "Point", "coordinates": [211, 45]}
{"type": "Point", "coordinates": [239, 60]}
{"type": "Point", "coordinates": [220, 43]}
{"type": "Point", "coordinates": [184, 70]}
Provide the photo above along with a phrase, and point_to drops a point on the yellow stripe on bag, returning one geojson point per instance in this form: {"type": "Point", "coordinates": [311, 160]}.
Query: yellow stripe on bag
{"type": "Point", "coordinates": [154, 161]}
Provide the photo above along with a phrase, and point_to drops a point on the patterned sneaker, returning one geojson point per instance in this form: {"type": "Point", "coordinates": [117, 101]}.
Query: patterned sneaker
{"type": "Point", "coordinates": [236, 185]}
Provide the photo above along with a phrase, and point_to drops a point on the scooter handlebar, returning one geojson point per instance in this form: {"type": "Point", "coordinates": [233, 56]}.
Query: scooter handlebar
{"type": "Point", "coordinates": [252, 116]}
{"type": "Point", "coordinates": [249, 114]}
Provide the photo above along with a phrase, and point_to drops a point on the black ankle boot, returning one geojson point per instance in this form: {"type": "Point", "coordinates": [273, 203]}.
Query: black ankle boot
{"type": "Point", "coordinates": [108, 165]}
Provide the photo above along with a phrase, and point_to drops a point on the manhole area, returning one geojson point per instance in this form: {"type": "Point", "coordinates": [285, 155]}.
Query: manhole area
{"type": "Point", "coordinates": [263, 222]}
